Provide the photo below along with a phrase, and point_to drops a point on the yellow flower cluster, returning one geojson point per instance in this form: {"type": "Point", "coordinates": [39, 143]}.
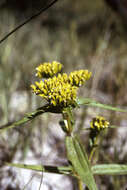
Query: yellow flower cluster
{"type": "Point", "coordinates": [60, 90]}
{"type": "Point", "coordinates": [56, 91]}
{"type": "Point", "coordinates": [99, 123]}
{"type": "Point", "coordinates": [48, 69]}
{"type": "Point", "coordinates": [78, 78]}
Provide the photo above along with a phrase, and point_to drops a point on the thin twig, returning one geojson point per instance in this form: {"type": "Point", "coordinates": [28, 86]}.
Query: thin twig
{"type": "Point", "coordinates": [28, 182]}
{"type": "Point", "coordinates": [28, 20]}
{"type": "Point", "coordinates": [41, 181]}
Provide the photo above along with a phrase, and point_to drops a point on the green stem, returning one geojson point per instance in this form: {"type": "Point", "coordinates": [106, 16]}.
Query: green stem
{"type": "Point", "coordinates": [68, 120]}
{"type": "Point", "coordinates": [80, 185]}
{"type": "Point", "coordinates": [94, 146]}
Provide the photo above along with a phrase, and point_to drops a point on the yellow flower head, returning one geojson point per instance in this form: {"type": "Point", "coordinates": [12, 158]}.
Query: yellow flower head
{"type": "Point", "coordinates": [60, 90]}
{"type": "Point", "coordinates": [47, 70]}
{"type": "Point", "coordinates": [78, 78]}
{"type": "Point", "coordinates": [56, 91]}
{"type": "Point", "coordinates": [99, 123]}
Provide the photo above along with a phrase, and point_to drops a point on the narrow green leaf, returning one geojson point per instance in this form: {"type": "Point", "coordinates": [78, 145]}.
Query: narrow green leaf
{"type": "Point", "coordinates": [101, 169]}
{"type": "Point", "coordinates": [30, 116]}
{"type": "Point", "coordinates": [90, 102]}
{"type": "Point", "coordinates": [80, 162]}
{"type": "Point", "coordinates": [40, 168]}
{"type": "Point", "coordinates": [110, 169]}
{"type": "Point", "coordinates": [81, 151]}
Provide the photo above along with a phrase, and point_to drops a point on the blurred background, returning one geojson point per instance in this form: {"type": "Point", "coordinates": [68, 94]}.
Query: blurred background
{"type": "Point", "coordinates": [81, 35]}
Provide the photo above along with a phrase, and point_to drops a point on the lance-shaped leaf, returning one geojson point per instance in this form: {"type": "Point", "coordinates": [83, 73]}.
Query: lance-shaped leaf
{"type": "Point", "coordinates": [40, 168]}
{"type": "Point", "coordinates": [100, 169]}
{"type": "Point", "coordinates": [90, 102]}
{"type": "Point", "coordinates": [79, 160]}
{"type": "Point", "coordinates": [110, 169]}
{"type": "Point", "coordinates": [30, 116]}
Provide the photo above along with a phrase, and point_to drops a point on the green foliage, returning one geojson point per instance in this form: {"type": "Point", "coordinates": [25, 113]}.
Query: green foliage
{"type": "Point", "coordinates": [110, 169]}
{"type": "Point", "coordinates": [90, 102]}
{"type": "Point", "coordinates": [100, 169]}
{"type": "Point", "coordinates": [79, 165]}
{"type": "Point", "coordinates": [79, 160]}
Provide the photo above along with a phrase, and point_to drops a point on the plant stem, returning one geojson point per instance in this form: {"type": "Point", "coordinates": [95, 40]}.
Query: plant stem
{"type": "Point", "coordinates": [68, 120]}
{"type": "Point", "coordinates": [94, 146]}
{"type": "Point", "coordinates": [80, 185]}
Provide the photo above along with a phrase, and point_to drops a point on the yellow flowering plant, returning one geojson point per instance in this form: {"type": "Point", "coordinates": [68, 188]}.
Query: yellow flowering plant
{"type": "Point", "coordinates": [60, 90]}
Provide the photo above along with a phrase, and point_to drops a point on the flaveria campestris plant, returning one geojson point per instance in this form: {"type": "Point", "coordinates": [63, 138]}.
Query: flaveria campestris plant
{"type": "Point", "coordinates": [60, 90]}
